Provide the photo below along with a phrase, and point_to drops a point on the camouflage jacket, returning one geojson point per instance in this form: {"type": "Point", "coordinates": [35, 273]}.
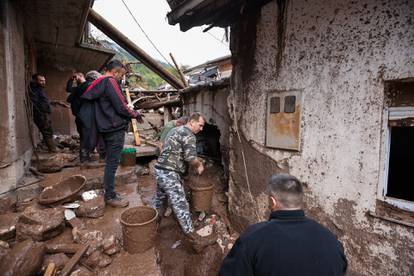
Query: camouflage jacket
{"type": "Point", "coordinates": [179, 147]}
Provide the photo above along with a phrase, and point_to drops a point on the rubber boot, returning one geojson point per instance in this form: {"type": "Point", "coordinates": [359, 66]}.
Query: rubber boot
{"type": "Point", "coordinates": [199, 243]}
{"type": "Point", "coordinates": [50, 143]}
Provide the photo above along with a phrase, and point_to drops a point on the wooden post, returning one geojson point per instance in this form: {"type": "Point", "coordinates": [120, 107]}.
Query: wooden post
{"type": "Point", "coordinates": [133, 120]}
{"type": "Point", "coordinates": [182, 77]}
{"type": "Point", "coordinates": [73, 261]}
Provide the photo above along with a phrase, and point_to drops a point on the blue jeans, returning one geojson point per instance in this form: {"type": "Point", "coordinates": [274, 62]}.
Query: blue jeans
{"type": "Point", "coordinates": [114, 143]}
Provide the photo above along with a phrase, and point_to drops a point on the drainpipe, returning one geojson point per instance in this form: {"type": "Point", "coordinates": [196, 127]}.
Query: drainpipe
{"type": "Point", "coordinates": [123, 41]}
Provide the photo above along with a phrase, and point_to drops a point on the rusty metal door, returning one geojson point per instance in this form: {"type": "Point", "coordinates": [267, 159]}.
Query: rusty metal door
{"type": "Point", "coordinates": [283, 119]}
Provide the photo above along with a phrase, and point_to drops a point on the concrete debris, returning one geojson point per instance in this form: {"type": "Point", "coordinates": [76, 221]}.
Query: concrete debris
{"type": "Point", "coordinates": [67, 141]}
{"type": "Point", "coordinates": [92, 208]}
{"type": "Point", "coordinates": [40, 224]}
{"type": "Point", "coordinates": [93, 238]}
{"type": "Point", "coordinates": [4, 244]}
{"type": "Point", "coordinates": [73, 205]}
{"type": "Point", "coordinates": [69, 214]}
{"type": "Point", "coordinates": [205, 231]}
{"type": "Point", "coordinates": [89, 195]}
{"type": "Point", "coordinates": [59, 260]}
{"type": "Point", "coordinates": [81, 271]}
{"type": "Point", "coordinates": [176, 244]}
{"type": "Point", "coordinates": [76, 222]}
{"type": "Point", "coordinates": [8, 204]}
{"type": "Point", "coordinates": [98, 260]}
{"type": "Point", "coordinates": [24, 259]}
{"type": "Point", "coordinates": [202, 216]}
{"type": "Point", "coordinates": [111, 245]}
{"type": "Point", "coordinates": [8, 226]}
{"type": "Point", "coordinates": [57, 162]}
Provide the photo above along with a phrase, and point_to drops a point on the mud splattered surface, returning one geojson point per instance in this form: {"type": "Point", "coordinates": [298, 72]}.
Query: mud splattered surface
{"type": "Point", "coordinates": [176, 254]}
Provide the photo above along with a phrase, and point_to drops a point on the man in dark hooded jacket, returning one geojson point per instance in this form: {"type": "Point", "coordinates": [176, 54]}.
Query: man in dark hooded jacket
{"type": "Point", "coordinates": [87, 134]}
{"type": "Point", "coordinates": [112, 116]}
{"type": "Point", "coordinates": [41, 110]}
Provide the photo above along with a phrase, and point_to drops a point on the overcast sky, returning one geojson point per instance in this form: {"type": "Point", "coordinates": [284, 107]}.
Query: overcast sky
{"type": "Point", "coordinates": [189, 48]}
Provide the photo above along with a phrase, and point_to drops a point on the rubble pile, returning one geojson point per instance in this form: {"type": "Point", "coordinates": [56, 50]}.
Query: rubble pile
{"type": "Point", "coordinates": [27, 238]}
{"type": "Point", "coordinates": [51, 163]}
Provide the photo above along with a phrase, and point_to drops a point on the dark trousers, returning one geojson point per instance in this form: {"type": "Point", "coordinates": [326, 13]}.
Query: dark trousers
{"type": "Point", "coordinates": [114, 143]}
{"type": "Point", "coordinates": [44, 124]}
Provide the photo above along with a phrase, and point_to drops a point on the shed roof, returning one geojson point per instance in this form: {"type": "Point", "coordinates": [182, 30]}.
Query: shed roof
{"type": "Point", "coordinates": [219, 13]}
{"type": "Point", "coordinates": [57, 29]}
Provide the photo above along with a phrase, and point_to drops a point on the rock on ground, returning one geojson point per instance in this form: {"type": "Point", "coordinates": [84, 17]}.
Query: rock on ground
{"type": "Point", "coordinates": [24, 259]}
{"type": "Point", "coordinates": [40, 224]}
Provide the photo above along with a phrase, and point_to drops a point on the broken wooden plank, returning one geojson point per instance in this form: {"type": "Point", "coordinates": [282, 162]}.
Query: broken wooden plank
{"type": "Point", "coordinates": [157, 104]}
{"type": "Point", "coordinates": [133, 120]}
{"type": "Point", "coordinates": [68, 248]}
{"type": "Point", "coordinates": [50, 270]}
{"type": "Point", "coordinates": [123, 41]}
{"type": "Point", "coordinates": [73, 261]}
{"type": "Point", "coordinates": [182, 77]}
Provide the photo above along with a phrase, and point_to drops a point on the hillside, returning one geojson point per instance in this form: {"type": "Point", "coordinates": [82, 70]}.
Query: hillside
{"type": "Point", "coordinates": [150, 80]}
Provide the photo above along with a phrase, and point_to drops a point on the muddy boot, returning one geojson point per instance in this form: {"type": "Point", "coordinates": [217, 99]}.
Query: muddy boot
{"type": "Point", "coordinates": [50, 143]}
{"type": "Point", "coordinates": [117, 202]}
{"type": "Point", "coordinates": [199, 243]}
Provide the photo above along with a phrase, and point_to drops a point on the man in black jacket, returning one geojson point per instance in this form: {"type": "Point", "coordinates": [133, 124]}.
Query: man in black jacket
{"type": "Point", "coordinates": [289, 243]}
{"type": "Point", "coordinates": [41, 110]}
{"type": "Point", "coordinates": [76, 86]}
{"type": "Point", "coordinates": [112, 116]}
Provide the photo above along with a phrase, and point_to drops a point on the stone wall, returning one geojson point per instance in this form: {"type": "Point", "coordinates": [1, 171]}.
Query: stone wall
{"type": "Point", "coordinates": [338, 54]}
{"type": "Point", "coordinates": [15, 147]}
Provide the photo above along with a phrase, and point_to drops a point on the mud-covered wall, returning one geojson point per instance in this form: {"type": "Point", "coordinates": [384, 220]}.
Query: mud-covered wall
{"type": "Point", "coordinates": [15, 147]}
{"type": "Point", "coordinates": [339, 54]}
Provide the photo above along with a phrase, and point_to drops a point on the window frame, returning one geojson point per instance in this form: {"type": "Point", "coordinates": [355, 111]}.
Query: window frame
{"type": "Point", "coordinates": [394, 114]}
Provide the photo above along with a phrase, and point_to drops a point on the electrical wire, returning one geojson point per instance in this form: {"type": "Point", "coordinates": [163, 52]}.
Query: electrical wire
{"type": "Point", "coordinates": [216, 38]}
{"type": "Point", "coordinates": [149, 39]}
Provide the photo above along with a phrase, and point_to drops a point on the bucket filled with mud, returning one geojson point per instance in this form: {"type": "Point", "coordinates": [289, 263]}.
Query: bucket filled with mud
{"type": "Point", "coordinates": [139, 228]}
{"type": "Point", "coordinates": [201, 195]}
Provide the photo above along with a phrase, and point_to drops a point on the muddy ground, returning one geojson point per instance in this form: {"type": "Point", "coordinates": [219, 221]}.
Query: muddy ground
{"type": "Point", "coordinates": [172, 254]}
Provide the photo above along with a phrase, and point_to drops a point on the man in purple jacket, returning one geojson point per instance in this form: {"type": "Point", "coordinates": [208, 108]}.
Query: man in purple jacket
{"type": "Point", "coordinates": [112, 115]}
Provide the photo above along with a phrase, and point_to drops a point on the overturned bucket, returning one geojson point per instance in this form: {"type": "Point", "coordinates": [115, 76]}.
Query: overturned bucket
{"type": "Point", "coordinates": [139, 228]}
{"type": "Point", "coordinates": [201, 197]}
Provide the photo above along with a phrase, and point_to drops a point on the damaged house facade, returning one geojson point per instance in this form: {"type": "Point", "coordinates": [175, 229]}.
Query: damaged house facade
{"type": "Point", "coordinates": [323, 90]}
{"type": "Point", "coordinates": [46, 37]}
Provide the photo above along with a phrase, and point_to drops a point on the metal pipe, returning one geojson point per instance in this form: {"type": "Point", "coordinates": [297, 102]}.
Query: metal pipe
{"type": "Point", "coordinates": [123, 41]}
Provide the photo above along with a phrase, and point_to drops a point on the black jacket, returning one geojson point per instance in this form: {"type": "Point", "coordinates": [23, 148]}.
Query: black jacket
{"type": "Point", "coordinates": [289, 244]}
{"type": "Point", "coordinates": [74, 97]}
{"type": "Point", "coordinates": [110, 107]}
{"type": "Point", "coordinates": [39, 99]}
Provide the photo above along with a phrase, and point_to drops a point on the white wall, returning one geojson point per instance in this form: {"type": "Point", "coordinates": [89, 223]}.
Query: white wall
{"type": "Point", "coordinates": [339, 53]}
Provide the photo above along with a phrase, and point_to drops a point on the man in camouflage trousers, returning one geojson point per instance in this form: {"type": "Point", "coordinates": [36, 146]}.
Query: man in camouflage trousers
{"type": "Point", "coordinates": [180, 149]}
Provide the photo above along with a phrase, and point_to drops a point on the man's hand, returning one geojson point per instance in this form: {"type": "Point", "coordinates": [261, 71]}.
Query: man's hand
{"type": "Point", "coordinates": [200, 168]}
{"type": "Point", "coordinates": [140, 118]}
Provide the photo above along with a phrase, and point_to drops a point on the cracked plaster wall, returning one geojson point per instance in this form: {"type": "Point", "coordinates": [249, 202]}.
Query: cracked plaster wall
{"type": "Point", "coordinates": [339, 53]}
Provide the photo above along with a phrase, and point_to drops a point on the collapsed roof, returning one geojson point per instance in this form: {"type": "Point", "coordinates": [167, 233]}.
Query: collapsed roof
{"type": "Point", "coordinates": [216, 13]}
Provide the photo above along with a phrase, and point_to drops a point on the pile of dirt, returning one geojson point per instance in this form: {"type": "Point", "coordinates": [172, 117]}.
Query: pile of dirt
{"type": "Point", "coordinates": [176, 254]}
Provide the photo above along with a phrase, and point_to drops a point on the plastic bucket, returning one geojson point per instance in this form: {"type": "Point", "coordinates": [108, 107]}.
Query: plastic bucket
{"type": "Point", "coordinates": [128, 157]}
{"type": "Point", "coordinates": [201, 197]}
{"type": "Point", "coordinates": [139, 228]}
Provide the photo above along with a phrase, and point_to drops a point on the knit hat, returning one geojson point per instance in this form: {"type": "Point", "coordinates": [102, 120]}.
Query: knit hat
{"type": "Point", "coordinates": [92, 75]}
